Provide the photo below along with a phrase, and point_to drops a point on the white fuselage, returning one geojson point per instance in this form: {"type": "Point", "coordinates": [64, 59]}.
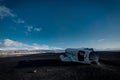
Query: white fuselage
{"type": "Point", "coordinates": [81, 55]}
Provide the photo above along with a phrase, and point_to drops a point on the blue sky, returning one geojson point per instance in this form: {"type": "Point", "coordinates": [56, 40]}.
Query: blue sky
{"type": "Point", "coordinates": [60, 23]}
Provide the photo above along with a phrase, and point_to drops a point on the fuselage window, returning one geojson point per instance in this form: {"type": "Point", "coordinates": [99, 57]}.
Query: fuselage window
{"type": "Point", "coordinates": [81, 55]}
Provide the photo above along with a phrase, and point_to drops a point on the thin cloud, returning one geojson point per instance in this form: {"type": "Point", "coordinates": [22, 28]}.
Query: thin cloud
{"type": "Point", "coordinates": [61, 43]}
{"type": "Point", "coordinates": [101, 40]}
{"type": "Point", "coordinates": [29, 28]}
{"type": "Point", "coordinates": [19, 21]}
{"type": "Point", "coordinates": [37, 29]}
{"type": "Point", "coordinates": [6, 12]}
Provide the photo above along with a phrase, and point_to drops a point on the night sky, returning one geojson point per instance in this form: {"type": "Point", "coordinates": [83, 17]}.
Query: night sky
{"type": "Point", "coordinates": [46, 24]}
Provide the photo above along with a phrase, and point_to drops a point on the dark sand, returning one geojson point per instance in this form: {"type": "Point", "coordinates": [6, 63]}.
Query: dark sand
{"type": "Point", "coordinates": [48, 67]}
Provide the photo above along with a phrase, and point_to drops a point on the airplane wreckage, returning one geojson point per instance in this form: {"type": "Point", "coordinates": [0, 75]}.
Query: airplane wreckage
{"type": "Point", "coordinates": [80, 55]}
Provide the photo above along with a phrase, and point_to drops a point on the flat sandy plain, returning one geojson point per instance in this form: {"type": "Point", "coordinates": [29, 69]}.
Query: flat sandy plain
{"type": "Point", "coordinates": [47, 66]}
